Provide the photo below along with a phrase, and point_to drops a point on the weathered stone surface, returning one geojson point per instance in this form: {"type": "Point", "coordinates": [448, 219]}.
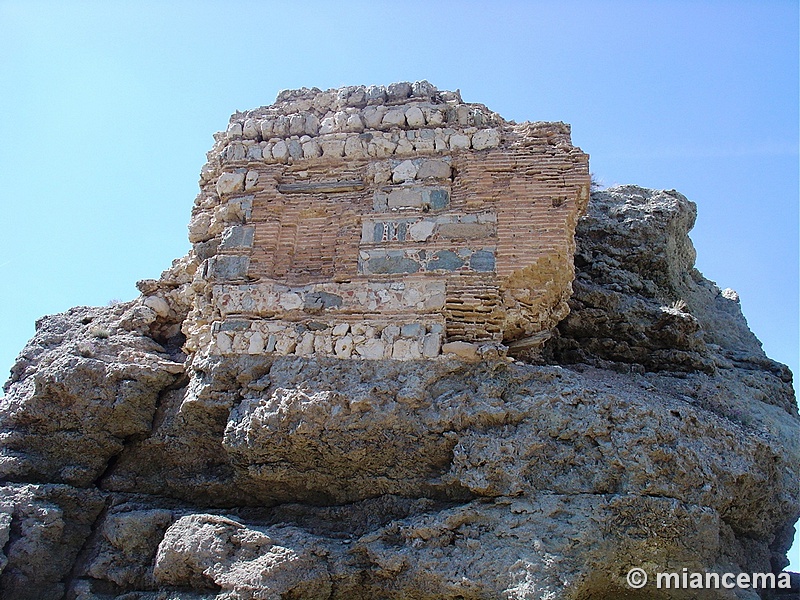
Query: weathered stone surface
{"type": "Point", "coordinates": [341, 437]}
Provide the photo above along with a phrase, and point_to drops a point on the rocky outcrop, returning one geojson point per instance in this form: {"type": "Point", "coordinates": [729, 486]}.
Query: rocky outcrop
{"type": "Point", "coordinates": [650, 431]}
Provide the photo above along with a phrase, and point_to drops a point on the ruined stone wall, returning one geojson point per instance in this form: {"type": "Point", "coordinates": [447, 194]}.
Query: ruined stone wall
{"type": "Point", "coordinates": [383, 223]}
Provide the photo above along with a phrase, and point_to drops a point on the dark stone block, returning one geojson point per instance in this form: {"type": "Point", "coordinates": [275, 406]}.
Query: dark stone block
{"type": "Point", "coordinates": [446, 260]}
{"type": "Point", "coordinates": [391, 265]}
{"type": "Point", "coordinates": [228, 267]}
{"type": "Point", "coordinates": [439, 199]}
{"type": "Point", "coordinates": [482, 260]}
{"type": "Point", "coordinates": [322, 300]}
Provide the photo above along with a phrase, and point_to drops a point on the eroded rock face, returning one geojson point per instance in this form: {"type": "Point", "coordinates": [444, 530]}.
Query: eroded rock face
{"type": "Point", "coordinates": [651, 430]}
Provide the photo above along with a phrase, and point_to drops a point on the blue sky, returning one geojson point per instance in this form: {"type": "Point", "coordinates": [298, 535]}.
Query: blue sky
{"type": "Point", "coordinates": [107, 110]}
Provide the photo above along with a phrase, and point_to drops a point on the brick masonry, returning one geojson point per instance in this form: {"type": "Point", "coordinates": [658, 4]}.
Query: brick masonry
{"type": "Point", "coordinates": [330, 219]}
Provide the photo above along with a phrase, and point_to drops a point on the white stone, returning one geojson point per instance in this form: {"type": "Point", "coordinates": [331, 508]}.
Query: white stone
{"type": "Point", "coordinates": [332, 148]}
{"type": "Point", "coordinates": [223, 343]}
{"type": "Point", "coordinates": [229, 183]}
{"type": "Point", "coordinates": [280, 151]}
{"type": "Point", "coordinates": [405, 171]}
{"type": "Point", "coordinates": [198, 227]}
{"type": "Point", "coordinates": [306, 346]}
{"type": "Point", "coordinates": [280, 126]}
{"type": "Point", "coordinates": [373, 116]}
{"type": "Point", "coordinates": [266, 128]}
{"type": "Point", "coordinates": [354, 124]}
{"type": "Point", "coordinates": [256, 345]}
{"type": "Point", "coordinates": [414, 117]}
{"type": "Point", "coordinates": [421, 230]}
{"type": "Point", "coordinates": [267, 152]}
{"type": "Point", "coordinates": [354, 147]}
{"type": "Point", "coordinates": [251, 129]}
{"type": "Point", "coordinates": [327, 125]}
{"type": "Point", "coordinates": [234, 130]}
{"type": "Point", "coordinates": [311, 126]}
{"type": "Point", "coordinates": [395, 118]}
{"type": "Point", "coordinates": [372, 349]}
{"type": "Point", "coordinates": [404, 147]}
{"type": "Point", "coordinates": [323, 343]}
{"type": "Point", "coordinates": [433, 116]}
{"type": "Point", "coordinates": [406, 349]}
{"type": "Point", "coordinates": [390, 333]}
{"type": "Point", "coordinates": [290, 301]}
{"type": "Point", "coordinates": [431, 345]}
{"type": "Point", "coordinates": [297, 125]}
{"type": "Point", "coordinates": [311, 149]}
{"type": "Point", "coordinates": [285, 345]}
{"type": "Point", "coordinates": [250, 180]}
{"type": "Point", "coordinates": [341, 329]}
{"type": "Point", "coordinates": [343, 347]}
{"type": "Point", "coordinates": [158, 304]}
{"type": "Point", "coordinates": [486, 138]}
{"type": "Point", "coordinates": [459, 141]}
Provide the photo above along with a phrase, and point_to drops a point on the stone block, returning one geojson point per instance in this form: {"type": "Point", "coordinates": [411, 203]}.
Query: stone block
{"type": "Point", "coordinates": [372, 349]}
{"type": "Point", "coordinates": [422, 230]}
{"type": "Point", "coordinates": [486, 138]}
{"type": "Point", "coordinates": [397, 92]}
{"type": "Point", "coordinates": [405, 197]}
{"type": "Point", "coordinates": [225, 266]}
{"type": "Point", "coordinates": [434, 168]}
{"type": "Point", "coordinates": [405, 349]}
{"type": "Point", "coordinates": [464, 231]}
{"type": "Point", "coordinates": [311, 149]}
{"type": "Point", "coordinates": [431, 345]}
{"type": "Point", "coordinates": [332, 148]}
{"type": "Point", "coordinates": [237, 237]}
{"type": "Point", "coordinates": [412, 330]}
{"type": "Point", "coordinates": [459, 141]}
{"type": "Point", "coordinates": [251, 179]}
{"type": "Point", "coordinates": [464, 350]}
{"type": "Point", "coordinates": [321, 301]}
{"type": "Point", "coordinates": [482, 260]}
{"type": "Point", "coordinates": [414, 117]}
{"type": "Point", "coordinates": [280, 151]}
{"type": "Point", "coordinates": [341, 329]}
{"type": "Point", "coordinates": [343, 347]}
{"type": "Point", "coordinates": [445, 260]}
{"type": "Point", "coordinates": [395, 117]}
{"type": "Point", "coordinates": [230, 183]}
{"type": "Point", "coordinates": [438, 199]}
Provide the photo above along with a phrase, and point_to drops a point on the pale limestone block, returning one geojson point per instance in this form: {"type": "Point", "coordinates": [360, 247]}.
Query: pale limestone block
{"type": "Point", "coordinates": [290, 301]}
{"type": "Point", "coordinates": [327, 125]}
{"type": "Point", "coordinates": [267, 152]}
{"type": "Point", "coordinates": [383, 172]}
{"type": "Point", "coordinates": [280, 151]}
{"type": "Point", "coordinates": [354, 124]}
{"type": "Point", "coordinates": [463, 350]}
{"type": "Point", "coordinates": [229, 183]}
{"type": "Point", "coordinates": [405, 171]}
{"type": "Point", "coordinates": [332, 148]}
{"type": "Point", "coordinates": [459, 141]}
{"type": "Point", "coordinates": [158, 304]}
{"type": "Point", "coordinates": [297, 125]}
{"type": "Point", "coordinates": [223, 342]}
{"type": "Point", "coordinates": [431, 345]}
{"type": "Point", "coordinates": [285, 345]}
{"type": "Point", "coordinates": [306, 345]}
{"type": "Point", "coordinates": [440, 143]}
{"type": "Point", "coordinates": [486, 138]}
{"type": "Point", "coordinates": [380, 147]}
{"type": "Point", "coordinates": [463, 114]}
{"type": "Point", "coordinates": [341, 329]}
{"type": "Point", "coordinates": [404, 197]}
{"type": "Point", "coordinates": [394, 117]}
{"type": "Point", "coordinates": [343, 347]}
{"type": "Point", "coordinates": [354, 147]}
{"type": "Point", "coordinates": [250, 180]}
{"type": "Point", "coordinates": [265, 125]}
{"type": "Point", "coordinates": [234, 131]}
{"type": "Point", "coordinates": [256, 344]}
{"type": "Point", "coordinates": [358, 329]}
{"type": "Point", "coordinates": [434, 301]}
{"type": "Point", "coordinates": [390, 333]}
{"type": "Point", "coordinates": [251, 129]}
{"type": "Point", "coordinates": [322, 102]}
{"type": "Point", "coordinates": [434, 116]}
{"type": "Point", "coordinates": [424, 145]}
{"type": "Point", "coordinates": [373, 116]}
{"type": "Point", "coordinates": [405, 349]}
{"type": "Point", "coordinates": [272, 340]}
{"type": "Point", "coordinates": [311, 125]}
{"type": "Point", "coordinates": [432, 168]}
{"type": "Point", "coordinates": [323, 343]}
{"type": "Point", "coordinates": [421, 230]}
{"type": "Point", "coordinates": [404, 147]}
{"type": "Point", "coordinates": [372, 349]}
{"type": "Point", "coordinates": [340, 121]}
{"type": "Point", "coordinates": [199, 225]}
{"type": "Point", "coordinates": [280, 127]}
{"type": "Point", "coordinates": [311, 149]}
{"type": "Point", "coordinates": [414, 117]}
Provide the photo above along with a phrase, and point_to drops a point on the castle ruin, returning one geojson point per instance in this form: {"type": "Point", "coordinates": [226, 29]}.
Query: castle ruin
{"type": "Point", "coordinates": [384, 222]}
